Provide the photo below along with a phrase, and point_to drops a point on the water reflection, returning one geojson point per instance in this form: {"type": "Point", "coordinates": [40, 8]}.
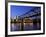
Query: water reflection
{"type": "Point", "coordinates": [26, 27]}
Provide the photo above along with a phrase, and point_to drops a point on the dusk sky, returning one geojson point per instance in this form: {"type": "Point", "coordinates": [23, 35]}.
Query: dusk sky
{"type": "Point", "coordinates": [19, 10]}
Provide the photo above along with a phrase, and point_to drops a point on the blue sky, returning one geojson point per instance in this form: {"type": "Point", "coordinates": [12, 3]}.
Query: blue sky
{"type": "Point", "coordinates": [19, 10]}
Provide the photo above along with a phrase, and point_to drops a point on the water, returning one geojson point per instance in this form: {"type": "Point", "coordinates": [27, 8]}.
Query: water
{"type": "Point", "coordinates": [17, 27]}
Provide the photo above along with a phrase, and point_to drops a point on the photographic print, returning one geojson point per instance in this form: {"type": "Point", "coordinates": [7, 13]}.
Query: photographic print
{"type": "Point", "coordinates": [25, 18]}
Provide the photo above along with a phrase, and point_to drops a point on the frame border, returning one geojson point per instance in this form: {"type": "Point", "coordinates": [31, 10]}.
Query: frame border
{"type": "Point", "coordinates": [6, 18]}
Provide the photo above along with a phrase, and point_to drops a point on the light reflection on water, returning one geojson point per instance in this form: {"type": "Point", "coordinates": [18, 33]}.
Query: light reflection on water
{"type": "Point", "coordinates": [17, 27]}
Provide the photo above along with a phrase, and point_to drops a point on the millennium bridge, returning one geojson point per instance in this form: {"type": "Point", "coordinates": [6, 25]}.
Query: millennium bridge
{"type": "Point", "coordinates": [31, 20]}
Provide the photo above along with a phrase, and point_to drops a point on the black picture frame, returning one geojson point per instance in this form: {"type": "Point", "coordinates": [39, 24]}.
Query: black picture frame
{"type": "Point", "coordinates": [6, 18]}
